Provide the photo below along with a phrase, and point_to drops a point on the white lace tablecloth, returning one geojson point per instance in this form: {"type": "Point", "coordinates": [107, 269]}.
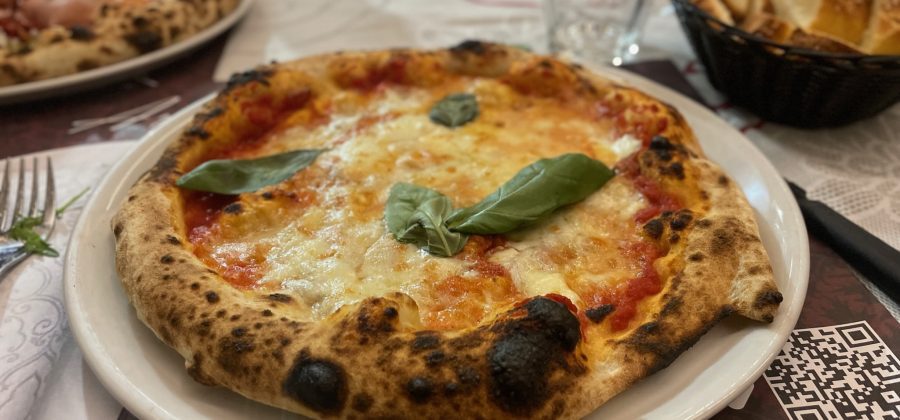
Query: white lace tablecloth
{"type": "Point", "coordinates": [42, 373]}
{"type": "Point", "coordinates": [854, 169]}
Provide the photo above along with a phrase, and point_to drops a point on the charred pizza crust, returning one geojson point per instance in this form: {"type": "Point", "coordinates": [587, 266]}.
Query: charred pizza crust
{"type": "Point", "coordinates": [374, 358]}
{"type": "Point", "coordinates": [121, 30]}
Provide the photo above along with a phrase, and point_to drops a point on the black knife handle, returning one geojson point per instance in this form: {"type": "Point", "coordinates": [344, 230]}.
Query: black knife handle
{"type": "Point", "coordinates": [873, 258]}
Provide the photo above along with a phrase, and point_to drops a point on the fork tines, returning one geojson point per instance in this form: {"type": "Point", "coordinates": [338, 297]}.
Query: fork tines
{"type": "Point", "coordinates": [37, 206]}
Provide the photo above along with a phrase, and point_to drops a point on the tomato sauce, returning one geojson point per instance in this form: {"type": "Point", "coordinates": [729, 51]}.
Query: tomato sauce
{"type": "Point", "coordinates": [626, 296]}
{"type": "Point", "coordinates": [14, 28]}
{"type": "Point", "coordinates": [202, 212]}
{"type": "Point", "coordinates": [264, 116]}
{"type": "Point", "coordinates": [242, 271]}
{"type": "Point", "coordinates": [458, 301]}
{"type": "Point", "coordinates": [394, 71]}
{"type": "Point", "coordinates": [658, 201]}
{"type": "Point", "coordinates": [640, 121]}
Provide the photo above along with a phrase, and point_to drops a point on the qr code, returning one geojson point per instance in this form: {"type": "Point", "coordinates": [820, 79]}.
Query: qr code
{"type": "Point", "coordinates": [838, 372]}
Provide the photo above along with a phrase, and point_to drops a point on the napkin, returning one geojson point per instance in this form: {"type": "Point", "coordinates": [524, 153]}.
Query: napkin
{"type": "Point", "coordinates": [34, 336]}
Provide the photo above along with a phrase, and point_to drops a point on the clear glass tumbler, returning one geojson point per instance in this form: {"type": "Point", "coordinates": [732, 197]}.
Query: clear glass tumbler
{"type": "Point", "coordinates": [595, 31]}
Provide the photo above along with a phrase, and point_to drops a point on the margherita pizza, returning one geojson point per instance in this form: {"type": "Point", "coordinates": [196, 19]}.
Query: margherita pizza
{"type": "Point", "coordinates": [42, 39]}
{"type": "Point", "coordinates": [476, 232]}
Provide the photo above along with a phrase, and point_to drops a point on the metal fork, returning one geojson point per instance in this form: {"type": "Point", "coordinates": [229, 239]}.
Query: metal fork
{"type": "Point", "coordinates": [12, 252]}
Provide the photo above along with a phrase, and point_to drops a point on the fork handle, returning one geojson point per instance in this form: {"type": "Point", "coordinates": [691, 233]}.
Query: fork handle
{"type": "Point", "coordinates": [10, 260]}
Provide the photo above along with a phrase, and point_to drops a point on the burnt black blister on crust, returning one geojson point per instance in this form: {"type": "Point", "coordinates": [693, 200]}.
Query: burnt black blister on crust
{"type": "Point", "coordinates": [362, 402]}
{"type": "Point", "coordinates": [652, 338]}
{"type": "Point", "coordinates": [233, 208]}
{"type": "Point", "coordinates": [212, 113]}
{"type": "Point", "coordinates": [371, 323]}
{"type": "Point", "coordinates": [81, 33]}
{"type": "Point", "coordinates": [280, 297]}
{"type": "Point", "coordinates": [681, 220]}
{"type": "Point", "coordinates": [139, 21]}
{"type": "Point", "coordinates": [599, 313]}
{"type": "Point", "coordinates": [526, 352]}
{"type": "Point", "coordinates": [661, 143]}
{"type": "Point", "coordinates": [769, 297]}
{"type": "Point", "coordinates": [249, 76]}
{"type": "Point", "coordinates": [317, 383]}
{"type": "Point", "coordinates": [197, 131]}
{"type": "Point", "coordinates": [212, 297]}
{"type": "Point", "coordinates": [665, 150]}
{"type": "Point", "coordinates": [435, 358]}
{"type": "Point", "coordinates": [654, 228]}
{"type": "Point", "coordinates": [470, 46]}
{"type": "Point", "coordinates": [425, 340]}
{"type": "Point", "coordinates": [676, 170]}
{"type": "Point", "coordinates": [145, 41]}
{"type": "Point", "coordinates": [419, 389]}
{"type": "Point", "coordinates": [231, 354]}
{"type": "Point", "coordinates": [163, 171]}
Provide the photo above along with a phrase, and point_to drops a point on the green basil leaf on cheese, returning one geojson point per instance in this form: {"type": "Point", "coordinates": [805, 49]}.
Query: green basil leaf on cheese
{"type": "Point", "coordinates": [417, 215]}
{"type": "Point", "coordinates": [235, 176]}
{"type": "Point", "coordinates": [455, 110]}
{"type": "Point", "coordinates": [532, 194]}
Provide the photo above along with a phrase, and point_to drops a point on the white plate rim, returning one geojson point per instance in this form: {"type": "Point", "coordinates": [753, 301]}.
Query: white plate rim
{"type": "Point", "coordinates": [127, 391]}
{"type": "Point", "coordinates": [49, 87]}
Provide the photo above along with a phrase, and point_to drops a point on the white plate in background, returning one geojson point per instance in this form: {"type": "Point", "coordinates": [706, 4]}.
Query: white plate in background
{"type": "Point", "coordinates": [122, 70]}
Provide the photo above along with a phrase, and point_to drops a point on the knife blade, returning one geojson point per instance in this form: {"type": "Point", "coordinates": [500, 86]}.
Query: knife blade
{"type": "Point", "coordinates": [876, 260]}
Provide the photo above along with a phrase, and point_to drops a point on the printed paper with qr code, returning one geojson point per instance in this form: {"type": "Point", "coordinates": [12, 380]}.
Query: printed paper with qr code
{"type": "Point", "coordinates": [837, 372]}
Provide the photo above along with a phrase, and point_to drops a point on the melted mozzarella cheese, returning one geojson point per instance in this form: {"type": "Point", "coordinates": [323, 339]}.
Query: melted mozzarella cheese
{"type": "Point", "coordinates": [337, 251]}
{"type": "Point", "coordinates": [626, 145]}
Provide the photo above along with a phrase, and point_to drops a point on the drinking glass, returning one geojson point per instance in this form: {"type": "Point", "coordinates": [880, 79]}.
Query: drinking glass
{"type": "Point", "coordinates": [596, 31]}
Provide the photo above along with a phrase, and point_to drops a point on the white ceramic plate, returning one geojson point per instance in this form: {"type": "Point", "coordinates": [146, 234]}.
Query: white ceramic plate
{"type": "Point", "coordinates": [150, 380]}
{"type": "Point", "coordinates": [119, 71]}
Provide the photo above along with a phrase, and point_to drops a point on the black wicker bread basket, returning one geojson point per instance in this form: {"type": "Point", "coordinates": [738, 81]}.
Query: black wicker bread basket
{"type": "Point", "coordinates": [790, 85]}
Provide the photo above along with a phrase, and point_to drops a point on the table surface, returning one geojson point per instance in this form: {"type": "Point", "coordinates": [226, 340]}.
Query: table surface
{"type": "Point", "coordinates": [835, 295]}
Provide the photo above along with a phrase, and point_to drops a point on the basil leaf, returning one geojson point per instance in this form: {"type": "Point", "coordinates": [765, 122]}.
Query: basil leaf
{"type": "Point", "coordinates": [454, 110]}
{"type": "Point", "coordinates": [535, 192]}
{"type": "Point", "coordinates": [416, 215]}
{"type": "Point", "coordinates": [235, 176]}
{"type": "Point", "coordinates": [23, 230]}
